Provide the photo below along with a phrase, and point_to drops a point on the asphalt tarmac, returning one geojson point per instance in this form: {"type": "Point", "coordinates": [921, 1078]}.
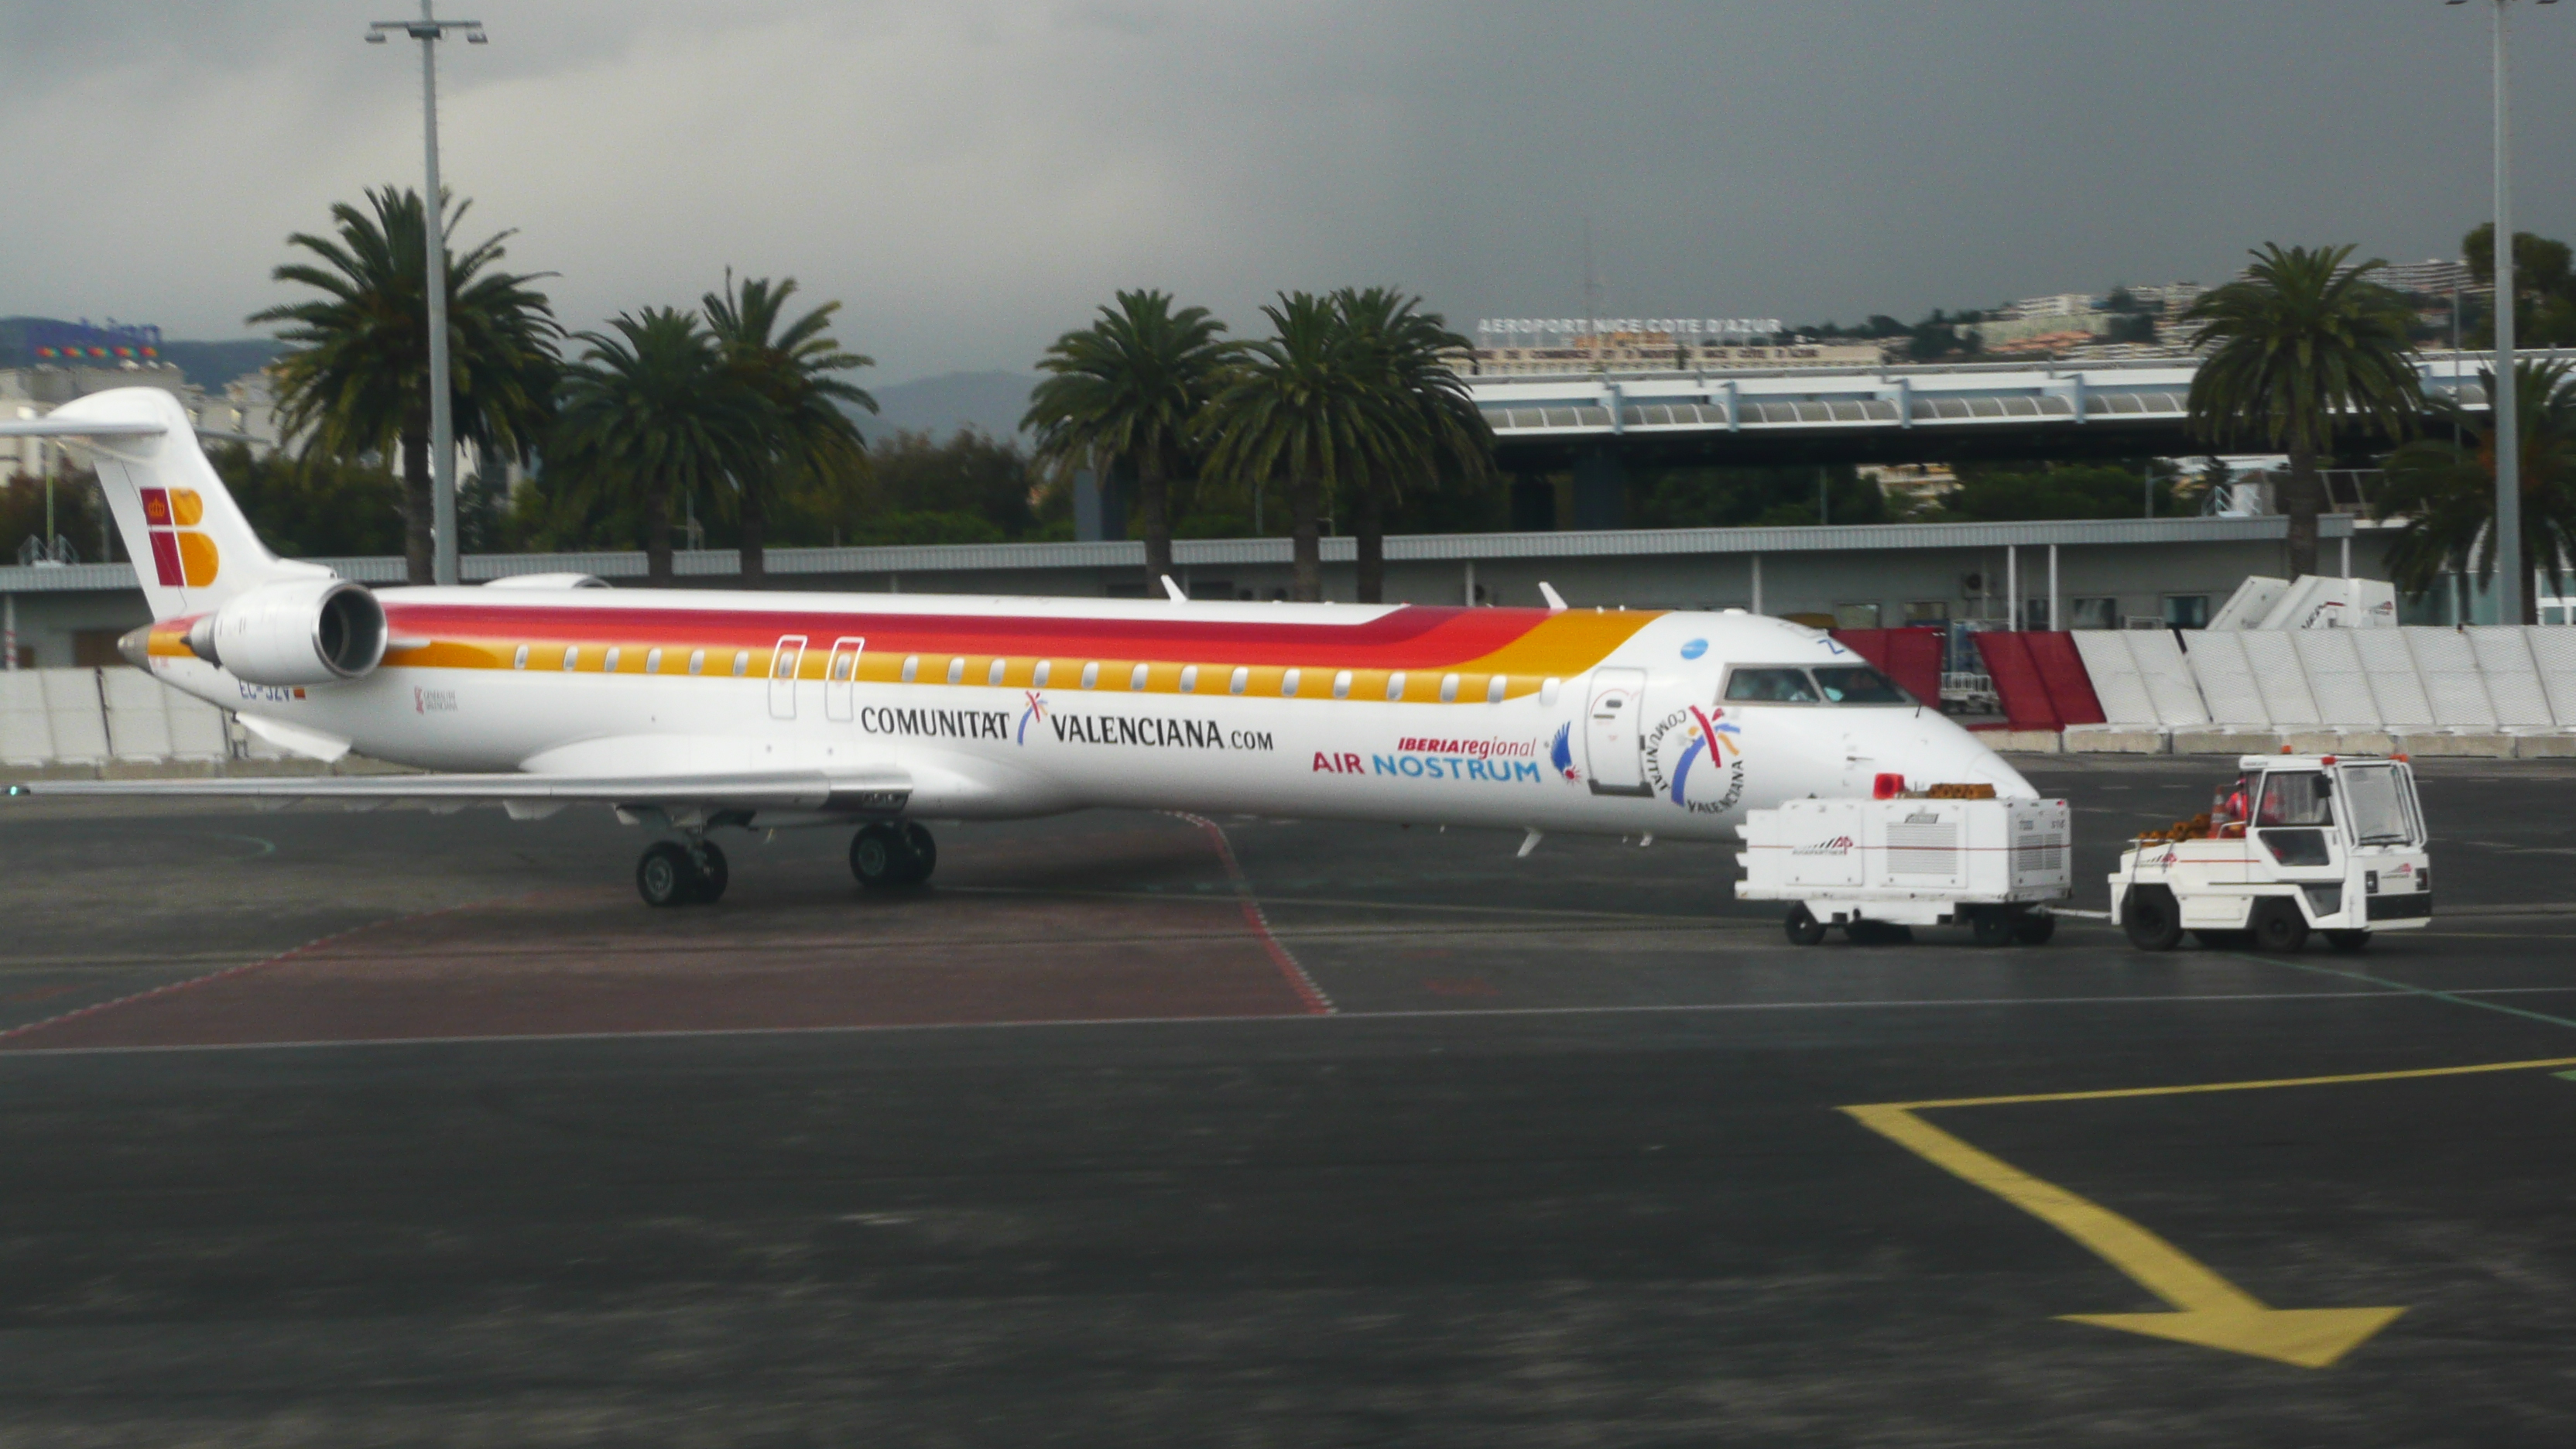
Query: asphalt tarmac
{"type": "Point", "coordinates": [407, 1129]}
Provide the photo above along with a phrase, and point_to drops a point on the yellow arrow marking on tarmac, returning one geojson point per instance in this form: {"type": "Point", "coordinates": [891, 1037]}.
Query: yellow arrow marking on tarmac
{"type": "Point", "coordinates": [2208, 1310]}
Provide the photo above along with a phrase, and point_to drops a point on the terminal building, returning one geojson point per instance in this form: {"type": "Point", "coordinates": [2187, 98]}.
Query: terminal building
{"type": "Point", "coordinates": [2168, 572]}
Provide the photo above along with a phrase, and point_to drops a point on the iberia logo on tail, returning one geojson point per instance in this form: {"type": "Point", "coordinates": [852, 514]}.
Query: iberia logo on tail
{"type": "Point", "coordinates": [181, 556]}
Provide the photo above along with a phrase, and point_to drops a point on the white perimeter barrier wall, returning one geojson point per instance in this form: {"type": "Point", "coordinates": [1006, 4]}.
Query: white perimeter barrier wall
{"type": "Point", "coordinates": [2488, 683]}
{"type": "Point", "coordinates": [99, 716]}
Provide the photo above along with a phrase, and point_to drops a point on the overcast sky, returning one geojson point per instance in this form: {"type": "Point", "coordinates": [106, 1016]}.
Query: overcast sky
{"type": "Point", "coordinates": [972, 178]}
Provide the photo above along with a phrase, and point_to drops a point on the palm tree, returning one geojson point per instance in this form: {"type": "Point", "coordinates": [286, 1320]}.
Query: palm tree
{"type": "Point", "coordinates": [655, 409]}
{"type": "Point", "coordinates": [354, 381]}
{"type": "Point", "coordinates": [1423, 412]}
{"type": "Point", "coordinates": [2303, 344]}
{"type": "Point", "coordinates": [2447, 493]}
{"type": "Point", "coordinates": [1127, 391]}
{"type": "Point", "coordinates": [791, 369]}
{"type": "Point", "coordinates": [1300, 406]}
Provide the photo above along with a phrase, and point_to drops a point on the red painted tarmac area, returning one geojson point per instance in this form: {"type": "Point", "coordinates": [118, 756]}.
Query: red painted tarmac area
{"type": "Point", "coordinates": [595, 961]}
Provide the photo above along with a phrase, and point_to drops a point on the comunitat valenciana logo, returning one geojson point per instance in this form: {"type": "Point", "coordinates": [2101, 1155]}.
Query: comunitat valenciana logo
{"type": "Point", "coordinates": [181, 556]}
{"type": "Point", "coordinates": [1695, 759]}
{"type": "Point", "coordinates": [1839, 845]}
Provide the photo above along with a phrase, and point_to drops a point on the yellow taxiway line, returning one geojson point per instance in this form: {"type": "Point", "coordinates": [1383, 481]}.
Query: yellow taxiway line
{"type": "Point", "coordinates": [2207, 1309]}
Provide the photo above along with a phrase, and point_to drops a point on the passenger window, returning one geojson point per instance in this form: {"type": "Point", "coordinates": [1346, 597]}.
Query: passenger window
{"type": "Point", "coordinates": [1859, 684]}
{"type": "Point", "coordinates": [1771, 686]}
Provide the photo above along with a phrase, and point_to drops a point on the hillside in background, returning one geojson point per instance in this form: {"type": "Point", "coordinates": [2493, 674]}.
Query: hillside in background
{"type": "Point", "coordinates": [212, 364]}
{"type": "Point", "coordinates": [989, 401]}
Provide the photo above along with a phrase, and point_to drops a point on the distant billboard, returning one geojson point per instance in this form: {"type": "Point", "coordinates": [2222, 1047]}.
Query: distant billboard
{"type": "Point", "coordinates": [79, 344]}
{"type": "Point", "coordinates": [1606, 326]}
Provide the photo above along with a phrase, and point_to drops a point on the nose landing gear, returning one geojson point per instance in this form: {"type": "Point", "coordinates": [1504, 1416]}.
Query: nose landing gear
{"type": "Point", "coordinates": [676, 873]}
{"type": "Point", "coordinates": [891, 854]}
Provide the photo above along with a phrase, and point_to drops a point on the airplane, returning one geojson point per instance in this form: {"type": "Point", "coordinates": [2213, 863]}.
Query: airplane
{"type": "Point", "coordinates": [694, 710]}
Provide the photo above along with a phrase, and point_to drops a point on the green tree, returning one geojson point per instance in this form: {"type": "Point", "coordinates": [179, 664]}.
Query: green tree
{"type": "Point", "coordinates": [971, 474]}
{"type": "Point", "coordinates": [1424, 421]}
{"type": "Point", "coordinates": [1127, 392]}
{"type": "Point", "coordinates": [2544, 284]}
{"type": "Point", "coordinates": [354, 381]}
{"type": "Point", "coordinates": [652, 410]}
{"type": "Point", "coordinates": [314, 507]}
{"type": "Point", "coordinates": [791, 369]}
{"type": "Point", "coordinates": [1298, 408]}
{"type": "Point", "coordinates": [1699, 497]}
{"type": "Point", "coordinates": [2446, 493]}
{"type": "Point", "coordinates": [1990, 494]}
{"type": "Point", "coordinates": [2300, 346]}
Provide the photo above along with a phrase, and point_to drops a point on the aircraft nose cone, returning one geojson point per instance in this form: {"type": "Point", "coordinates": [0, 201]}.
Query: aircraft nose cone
{"type": "Point", "coordinates": [1986, 767]}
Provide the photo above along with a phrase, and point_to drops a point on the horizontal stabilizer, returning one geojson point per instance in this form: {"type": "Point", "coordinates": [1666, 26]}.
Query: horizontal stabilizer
{"type": "Point", "coordinates": [857, 791]}
{"type": "Point", "coordinates": [82, 428]}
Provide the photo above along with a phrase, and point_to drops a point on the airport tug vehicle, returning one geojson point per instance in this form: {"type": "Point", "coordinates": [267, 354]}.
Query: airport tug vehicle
{"type": "Point", "coordinates": [2297, 843]}
{"type": "Point", "coordinates": [1950, 855]}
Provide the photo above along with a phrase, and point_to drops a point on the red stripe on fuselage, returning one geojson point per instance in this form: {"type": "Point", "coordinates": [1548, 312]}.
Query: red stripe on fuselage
{"type": "Point", "coordinates": [1404, 638]}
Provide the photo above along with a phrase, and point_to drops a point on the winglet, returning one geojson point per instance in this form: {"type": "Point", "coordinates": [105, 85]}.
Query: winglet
{"type": "Point", "coordinates": [1173, 589]}
{"type": "Point", "coordinates": [1555, 600]}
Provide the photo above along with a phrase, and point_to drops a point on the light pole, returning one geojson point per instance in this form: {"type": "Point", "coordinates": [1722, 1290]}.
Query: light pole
{"type": "Point", "coordinates": [429, 30]}
{"type": "Point", "coordinates": [2501, 408]}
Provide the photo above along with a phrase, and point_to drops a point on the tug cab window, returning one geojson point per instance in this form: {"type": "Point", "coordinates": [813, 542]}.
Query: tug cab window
{"type": "Point", "coordinates": [1771, 686]}
{"type": "Point", "coordinates": [2296, 797]}
{"type": "Point", "coordinates": [2377, 808]}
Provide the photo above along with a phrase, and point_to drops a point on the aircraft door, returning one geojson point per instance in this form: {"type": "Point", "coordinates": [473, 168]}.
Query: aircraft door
{"type": "Point", "coordinates": [840, 681]}
{"type": "Point", "coordinates": [784, 661]}
{"type": "Point", "coordinates": [1612, 731]}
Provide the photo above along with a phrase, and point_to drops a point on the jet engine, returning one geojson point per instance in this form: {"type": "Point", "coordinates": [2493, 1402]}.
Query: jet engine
{"type": "Point", "coordinates": [296, 631]}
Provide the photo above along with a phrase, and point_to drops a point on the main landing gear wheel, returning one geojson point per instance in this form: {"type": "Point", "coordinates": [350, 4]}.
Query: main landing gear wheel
{"type": "Point", "coordinates": [889, 854]}
{"type": "Point", "coordinates": [1803, 927]}
{"type": "Point", "coordinates": [664, 876]}
{"type": "Point", "coordinates": [673, 874]}
{"type": "Point", "coordinates": [708, 861]}
{"type": "Point", "coordinates": [2153, 919]}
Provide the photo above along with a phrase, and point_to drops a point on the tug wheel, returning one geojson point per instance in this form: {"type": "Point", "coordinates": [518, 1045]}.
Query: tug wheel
{"type": "Point", "coordinates": [2278, 926]}
{"type": "Point", "coordinates": [2152, 918]}
{"type": "Point", "coordinates": [1803, 927]}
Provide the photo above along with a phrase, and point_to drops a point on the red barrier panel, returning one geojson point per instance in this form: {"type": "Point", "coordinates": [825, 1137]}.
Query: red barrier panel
{"type": "Point", "coordinates": [2017, 681]}
{"type": "Point", "coordinates": [2061, 670]}
{"type": "Point", "coordinates": [1911, 657]}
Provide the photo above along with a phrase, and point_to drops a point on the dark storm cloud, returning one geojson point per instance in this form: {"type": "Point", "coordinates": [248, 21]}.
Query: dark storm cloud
{"type": "Point", "coordinates": [972, 178]}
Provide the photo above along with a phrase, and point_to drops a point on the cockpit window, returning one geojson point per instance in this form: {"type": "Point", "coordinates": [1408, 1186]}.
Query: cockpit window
{"type": "Point", "coordinates": [1771, 686]}
{"type": "Point", "coordinates": [1859, 684]}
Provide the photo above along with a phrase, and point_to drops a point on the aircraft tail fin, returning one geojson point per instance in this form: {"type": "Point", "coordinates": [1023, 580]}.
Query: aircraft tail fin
{"type": "Point", "coordinates": [192, 547]}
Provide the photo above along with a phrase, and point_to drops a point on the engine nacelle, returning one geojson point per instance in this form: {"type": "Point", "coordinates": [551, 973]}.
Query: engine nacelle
{"type": "Point", "coordinates": [297, 631]}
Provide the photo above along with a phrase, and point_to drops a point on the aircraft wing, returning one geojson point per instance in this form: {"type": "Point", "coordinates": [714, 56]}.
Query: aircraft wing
{"type": "Point", "coordinates": [867, 791]}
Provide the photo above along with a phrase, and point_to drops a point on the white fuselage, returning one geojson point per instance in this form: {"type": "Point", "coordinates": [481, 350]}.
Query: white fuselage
{"type": "Point", "coordinates": [1574, 721]}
